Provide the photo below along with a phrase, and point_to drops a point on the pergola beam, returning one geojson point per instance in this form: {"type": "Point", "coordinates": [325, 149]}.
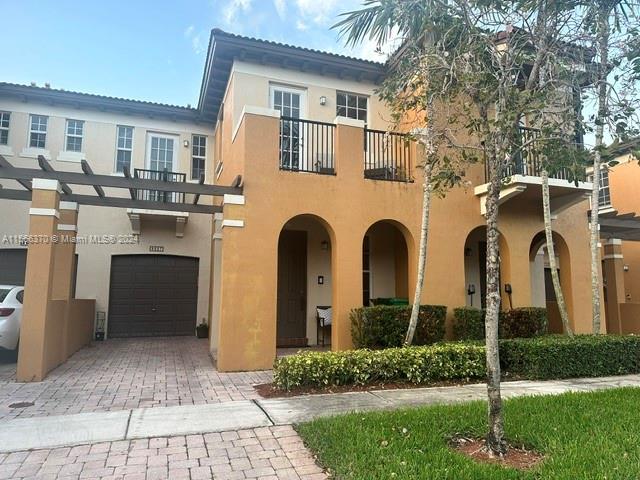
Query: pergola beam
{"type": "Point", "coordinates": [46, 167]}
{"type": "Point", "coordinates": [76, 178]}
{"type": "Point", "coordinates": [120, 202]}
{"type": "Point", "coordinates": [4, 164]}
{"type": "Point", "coordinates": [86, 168]}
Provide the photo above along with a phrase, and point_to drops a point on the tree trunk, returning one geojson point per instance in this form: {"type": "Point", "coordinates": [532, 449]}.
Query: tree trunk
{"type": "Point", "coordinates": [495, 438]}
{"type": "Point", "coordinates": [603, 51]}
{"type": "Point", "coordinates": [422, 254]}
{"type": "Point", "coordinates": [551, 252]}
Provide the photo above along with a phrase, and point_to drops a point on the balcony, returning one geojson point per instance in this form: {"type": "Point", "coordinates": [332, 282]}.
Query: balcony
{"type": "Point", "coordinates": [522, 181]}
{"type": "Point", "coordinates": [138, 215]}
{"type": "Point", "coordinates": [308, 146]}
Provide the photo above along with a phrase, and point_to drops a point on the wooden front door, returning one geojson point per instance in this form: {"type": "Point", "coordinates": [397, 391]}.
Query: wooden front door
{"type": "Point", "coordinates": [292, 289]}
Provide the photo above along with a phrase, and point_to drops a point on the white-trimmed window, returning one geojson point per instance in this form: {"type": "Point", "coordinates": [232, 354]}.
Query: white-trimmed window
{"type": "Point", "coordinates": [74, 132]}
{"type": "Point", "coordinates": [198, 156]}
{"type": "Point", "coordinates": [351, 105]}
{"type": "Point", "coordinates": [124, 147]}
{"type": "Point", "coordinates": [604, 196]}
{"type": "Point", "coordinates": [4, 127]}
{"type": "Point", "coordinates": [38, 131]}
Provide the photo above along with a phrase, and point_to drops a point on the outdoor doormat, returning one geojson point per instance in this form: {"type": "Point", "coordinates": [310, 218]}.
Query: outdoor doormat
{"type": "Point", "coordinates": [517, 456]}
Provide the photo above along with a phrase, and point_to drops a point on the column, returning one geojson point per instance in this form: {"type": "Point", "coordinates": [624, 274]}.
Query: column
{"type": "Point", "coordinates": [43, 225]}
{"type": "Point", "coordinates": [613, 268]}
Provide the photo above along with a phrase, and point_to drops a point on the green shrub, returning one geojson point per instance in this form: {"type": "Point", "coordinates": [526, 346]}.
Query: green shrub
{"type": "Point", "coordinates": [540, 358]}
{"type": "Point", "coordinates": [525, 322]}
{"type": "Point", "coordinates": [565, 357]}
{"type": "Point", "coordinates": [385, 326]}
{"type": "Point", "coordinates": [446, 361]}
{"type": "Point", "coordinates": [468, 323]}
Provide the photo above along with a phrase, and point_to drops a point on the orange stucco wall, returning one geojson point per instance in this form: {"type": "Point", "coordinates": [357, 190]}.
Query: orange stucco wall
{"type": "Point", "coordinates": [347, 205]}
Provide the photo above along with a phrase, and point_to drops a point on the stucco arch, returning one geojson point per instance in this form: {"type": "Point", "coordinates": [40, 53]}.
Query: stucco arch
{"type": "Point", "coordinates": [536, 270]}
{"type": "Point", "coordinates": [389, 261]}
{"type": "Point", "coordinates": [474, 270]}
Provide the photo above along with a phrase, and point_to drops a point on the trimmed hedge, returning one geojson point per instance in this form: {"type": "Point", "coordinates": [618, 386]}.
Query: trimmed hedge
{"type": "Point", "coordinates": [468, 323]}
{"type": "Point", "coordinates": [525, 322]}
{"type": "Point", "coordinates": [447, 361]}
{"type": "Point", "coordinates": [546, 357]}
{"type": "Point", "coordinates": [565, 357]}
{"type": "Point", "coordinates": [385, 326]}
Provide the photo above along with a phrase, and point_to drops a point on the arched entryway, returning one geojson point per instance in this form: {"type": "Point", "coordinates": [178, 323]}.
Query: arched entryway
{"type": "Point", "coordinates": [475, 268]}
{"type": "Point", "coordinates": [304, 281]}
{"type": "Point", "coordinates": [385, 264]}
{"type": "Point", "coordinates": [542, 292]}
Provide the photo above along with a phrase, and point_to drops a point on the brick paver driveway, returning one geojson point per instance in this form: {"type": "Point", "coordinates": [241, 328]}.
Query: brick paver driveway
{"type": "Point", "coordinates": [122, 374]}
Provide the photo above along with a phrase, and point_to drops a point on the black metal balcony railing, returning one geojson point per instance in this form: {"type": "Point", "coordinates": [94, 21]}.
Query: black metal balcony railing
{"type": "Point", "coordinates": [307, 146]}
{"type": "Point", "coordinates": [157, 195]}
{"type": "Point", "coordinates": [387, 156]}
{"type": "Point", "coordinates": [528, 162]}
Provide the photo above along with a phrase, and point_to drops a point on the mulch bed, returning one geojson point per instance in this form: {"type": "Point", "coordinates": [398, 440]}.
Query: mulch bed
{"type": "Point", "coordinates": [267, 390]}
{"type": "Point", "coordinates": [517, 457]}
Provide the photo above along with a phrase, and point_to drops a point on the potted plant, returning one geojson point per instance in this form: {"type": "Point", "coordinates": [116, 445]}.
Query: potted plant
{"type": "Point", "coordinates": [202, 330]}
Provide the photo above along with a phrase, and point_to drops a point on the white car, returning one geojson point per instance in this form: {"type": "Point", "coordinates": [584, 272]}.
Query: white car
{"type": "Point", "coordinates": [11, 298]}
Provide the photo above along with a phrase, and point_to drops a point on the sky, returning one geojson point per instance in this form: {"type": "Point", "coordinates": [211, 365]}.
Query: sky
{"type": "Point", "coordinates": [151, 50]}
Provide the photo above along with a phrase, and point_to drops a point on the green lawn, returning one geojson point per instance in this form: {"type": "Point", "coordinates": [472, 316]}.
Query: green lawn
{"type": "Point", "coordinates": [582, 435]}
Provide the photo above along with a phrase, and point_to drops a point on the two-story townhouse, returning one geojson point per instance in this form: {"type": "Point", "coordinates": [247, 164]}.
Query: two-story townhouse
{"type": "Point", "coordinates": [619, 205]}
{"type": "Point", "coordinates": [331, 208]}
{"type": "Point", "coordinates": [329, 214]}
{"type": "Point", "coordinates": [138, 294]}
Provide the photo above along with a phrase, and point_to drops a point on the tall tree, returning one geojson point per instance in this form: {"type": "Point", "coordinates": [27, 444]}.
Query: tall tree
{"type": "Point", "coordinates": [612, 27]}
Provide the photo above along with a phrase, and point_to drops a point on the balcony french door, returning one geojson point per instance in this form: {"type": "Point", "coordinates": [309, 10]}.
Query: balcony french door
{"type": "Point", "coordinates": [161, 158]}
{"type": "Point", "coordinates": [290, 102]}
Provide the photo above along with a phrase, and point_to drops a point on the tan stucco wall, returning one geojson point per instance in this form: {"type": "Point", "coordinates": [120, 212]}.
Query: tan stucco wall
{"type": "Point", "coordinates": [348, 205]}
{"type": "Point", "coordinates": [99, 149]}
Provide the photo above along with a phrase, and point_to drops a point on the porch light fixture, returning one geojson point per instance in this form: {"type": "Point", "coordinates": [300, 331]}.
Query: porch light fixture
{"type": "Point", "coordinates": [509, 290]}
{"type": "Point", "coordinates": [186, 143]}
{"type": "Point", "coordinates": [625, 268]}
{"type": "Point", "coordinates": [323, 100]}
{"type": "Point", "coordinates": [471, 291]}
{"type": "Point", "coordinates": [324, 245]}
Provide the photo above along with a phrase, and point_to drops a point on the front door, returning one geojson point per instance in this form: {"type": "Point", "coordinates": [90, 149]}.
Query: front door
{"type": "Point", "coordinates": [292, 289]}
{"type": "Point", "coordinates": [290, 103]}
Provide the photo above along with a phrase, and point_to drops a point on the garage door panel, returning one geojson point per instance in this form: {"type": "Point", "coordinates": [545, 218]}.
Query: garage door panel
{"type": "Point", "coordinates": [153, 295]}
{"type": "Point", "coordinates": [13, 263]}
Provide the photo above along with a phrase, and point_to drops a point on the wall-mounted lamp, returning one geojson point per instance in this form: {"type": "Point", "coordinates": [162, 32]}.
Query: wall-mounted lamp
{"type": "Point", "coordinates": [324, 245]}
{"type": "Point", "coordinates": [509, 290]}
{"type": "Point", "coordinates": [625, 268]}
{"type": "Point", "coordinates": [471, 291]}
{"type": "Point", "coordinates": [186, 143]}
{"type": "Point", "coordinates": [323, 100]}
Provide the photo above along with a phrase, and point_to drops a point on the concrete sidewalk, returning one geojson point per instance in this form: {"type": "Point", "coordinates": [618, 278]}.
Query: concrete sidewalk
{"type": "Point", "coordinates": [90, 428]}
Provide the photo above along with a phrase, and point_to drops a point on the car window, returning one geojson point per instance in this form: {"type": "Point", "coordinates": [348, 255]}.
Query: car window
{"type": "Point", "coordinates": [3, 294]}
{"type": "Point", "coordinates": [20, 296]}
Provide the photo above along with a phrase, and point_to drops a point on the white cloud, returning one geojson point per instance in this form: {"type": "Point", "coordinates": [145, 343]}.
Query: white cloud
{"type": "Point", "coordinates": [198, 40]}
{"type": "Point", "coordinates": [320, 12]}
{"type": "Point", "coordinates": [300, 25]}
{"type": "Point", "coordinates": [281, 8]}
{"type": "Point", "coordinates": [233, 8]}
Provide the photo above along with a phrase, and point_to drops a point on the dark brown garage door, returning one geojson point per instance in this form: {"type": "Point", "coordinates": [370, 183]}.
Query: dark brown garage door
{"type": "Point", "coordinates": [12, 266]}
{"type": "Point", "coordinates": [153, 295]}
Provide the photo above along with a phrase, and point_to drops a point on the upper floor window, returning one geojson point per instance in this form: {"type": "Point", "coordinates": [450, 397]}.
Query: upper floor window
{"type": "Point", "coordinates": [351, 105]}
{"type": "Point", "coordinates": [124, 147]}
{"type": "Point", "coordinates": [4, 127]}
{"type": "Point", "coordinates": [73, 141]}
{"type": "Point", "coordinates": [199, 153]}
{"type": "Point", "coordinates": [604, 197]}
{"type": "Point", "coordinates": [38, 131]}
